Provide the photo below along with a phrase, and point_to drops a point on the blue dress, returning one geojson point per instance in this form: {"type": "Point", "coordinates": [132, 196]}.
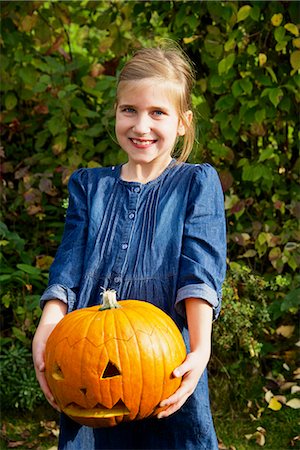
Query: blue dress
{"type": "Point", "coordinates": [162, 242]}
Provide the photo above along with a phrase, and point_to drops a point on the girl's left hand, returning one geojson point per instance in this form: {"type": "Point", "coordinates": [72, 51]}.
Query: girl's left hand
{"type": "Point", "coordinates": [191, 371]}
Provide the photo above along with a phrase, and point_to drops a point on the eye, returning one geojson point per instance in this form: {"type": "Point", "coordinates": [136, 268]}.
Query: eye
{"type": "Point", "coordinates": [111, 370]}
{"type": "Point", "coordinates": [128, 110]}
{"type": "Point", "coordinates": [158, 113]}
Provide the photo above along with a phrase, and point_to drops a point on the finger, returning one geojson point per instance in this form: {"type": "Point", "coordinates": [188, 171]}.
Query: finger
{"type": "Point", "coordinates": [46, 390]}
{"type": "Point", "coordinates": [184, 368]}
{"type": "Point", "coordinates": [173, 408]}
{"type": "Point", "coordinates": [182, 392]}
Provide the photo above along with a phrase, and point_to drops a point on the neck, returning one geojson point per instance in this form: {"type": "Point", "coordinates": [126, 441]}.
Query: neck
{"type": "Point", "coordinates": [143, 173]}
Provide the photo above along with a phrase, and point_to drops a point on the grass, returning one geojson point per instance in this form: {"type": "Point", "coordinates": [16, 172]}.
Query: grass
{"type": "Point", "coordinates": [236, 416]}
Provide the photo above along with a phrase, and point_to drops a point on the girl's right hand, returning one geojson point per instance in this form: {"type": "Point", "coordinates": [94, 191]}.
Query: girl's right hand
{"type": "Point", "coordinates": [53, 312]}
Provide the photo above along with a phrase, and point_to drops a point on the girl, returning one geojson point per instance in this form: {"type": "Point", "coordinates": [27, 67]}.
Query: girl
{"type": "Point", "coordinates": [151, 229]}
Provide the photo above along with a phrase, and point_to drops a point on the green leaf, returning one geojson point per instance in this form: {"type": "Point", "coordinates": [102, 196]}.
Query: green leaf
{"type": "Point", "coordinates": [260, 115]}
{"type": "Point", "coordinates": [267, 153]}
{"type": "Point", "coordinates": [246, 85]}
{"type": "Point", "coordinates": [272, 73]}
{"type": "Point", "coordinates": [279, 34]}
{"type": "Point", "coordinates": [243, 13]}
{"type": "Point", "coordinates": [28, 74]}
{"type": "Point", "coordinates": [56, 124]}
{"type": "Point", "coordinates": [291, 300]}
{"type": "Point", "coordinates": [10, 101]}
{"type": "Point", "coordinates": [29, 269]}
{"type": "Point", "coordinates": [236, 88]}
{"type": "Point", "coordinates": [225, 102]}
{"type": "Point", "coordinates": [275, 95]}
{"type": "Point", "coordinates": [226, 63]}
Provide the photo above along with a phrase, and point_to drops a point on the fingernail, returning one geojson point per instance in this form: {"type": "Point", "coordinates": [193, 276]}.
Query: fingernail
{"type": "Point", "coordinates": [176, 373]}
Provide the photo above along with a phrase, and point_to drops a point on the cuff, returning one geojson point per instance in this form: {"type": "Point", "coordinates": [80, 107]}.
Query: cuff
{"type": "Point", "coordinates": [198, 291]}
{"type": "Point", "coordinates": [57, 291]}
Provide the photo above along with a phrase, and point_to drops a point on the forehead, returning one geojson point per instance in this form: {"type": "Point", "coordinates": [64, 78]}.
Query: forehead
{"type": "Point", "coordinates": [149, 90]}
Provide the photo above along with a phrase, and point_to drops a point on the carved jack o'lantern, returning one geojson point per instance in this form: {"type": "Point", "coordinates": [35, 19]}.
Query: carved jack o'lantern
{"type": "Point", "coordinates": [114, 363]}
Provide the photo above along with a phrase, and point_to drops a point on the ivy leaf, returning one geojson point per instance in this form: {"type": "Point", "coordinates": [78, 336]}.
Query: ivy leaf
{"type": "Point", "coordinates": [243, 13]}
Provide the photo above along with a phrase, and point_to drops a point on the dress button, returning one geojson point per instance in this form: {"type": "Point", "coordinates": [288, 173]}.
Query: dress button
{"type": "Point", "coordinates": [117, 279]}
{"type": "Point", "coordinates": [137, 190]}
{"type": "Point", "coordinates": [124, 246]}
{"type": "Point", "coordinates": [131, 215]}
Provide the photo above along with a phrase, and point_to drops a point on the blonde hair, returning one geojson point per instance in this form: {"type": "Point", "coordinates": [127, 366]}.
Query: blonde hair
{"type": "Point", "coordinates": [172, 66]}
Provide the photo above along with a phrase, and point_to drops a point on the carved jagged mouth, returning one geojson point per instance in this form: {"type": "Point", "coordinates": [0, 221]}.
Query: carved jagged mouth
{"type": "Point", "coordinates": [98, 411]}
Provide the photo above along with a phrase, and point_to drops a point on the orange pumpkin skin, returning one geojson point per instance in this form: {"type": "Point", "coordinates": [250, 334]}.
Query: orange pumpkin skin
{"type": "Point", "coordinates": [112, 365]}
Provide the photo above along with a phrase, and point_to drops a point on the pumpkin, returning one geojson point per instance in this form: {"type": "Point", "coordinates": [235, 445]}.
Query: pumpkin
{"type": "Point", "coordinates": [112, 363]}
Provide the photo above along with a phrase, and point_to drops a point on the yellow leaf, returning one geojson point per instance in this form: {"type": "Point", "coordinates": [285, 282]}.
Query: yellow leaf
{"type": "Point", "coordinates": [277, 19]}
{"type": "Point", "coordinates": [274, 404]}
{"type": "Point", "coordinates": [262, 59]}
{"type": "Point", "coordinates": [188, 40]}
{"type": "Point", "coordinates": [295, 60]}
{"type": "Point", "coordinates": [286, 330]}
{"type": "Point", "coordinates": [292, 28]}
{"type": "Point", "coordinates": [296, 42]}
{"type": "Point", "coordinates": [294, 403]}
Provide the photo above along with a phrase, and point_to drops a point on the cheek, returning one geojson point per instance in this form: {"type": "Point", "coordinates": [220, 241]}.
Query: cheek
{"type": "Point", "coordinates": [121, 126]}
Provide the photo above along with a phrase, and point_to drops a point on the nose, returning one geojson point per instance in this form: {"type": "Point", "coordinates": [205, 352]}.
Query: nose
{"type": "Point", "coordinates": [142, 124]}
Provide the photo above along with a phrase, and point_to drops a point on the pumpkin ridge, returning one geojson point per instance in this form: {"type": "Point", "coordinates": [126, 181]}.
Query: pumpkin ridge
{"type": "Point", "coordinates": [138, 313]}
{"type": "Point", "coordinates": [128, 314]}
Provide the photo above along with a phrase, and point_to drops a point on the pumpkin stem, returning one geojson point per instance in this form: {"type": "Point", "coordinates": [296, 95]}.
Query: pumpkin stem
{"type": "Point", "coordinates": [109, 300]}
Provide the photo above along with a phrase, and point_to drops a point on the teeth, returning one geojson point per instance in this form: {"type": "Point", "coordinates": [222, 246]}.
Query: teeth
{"type": "Point", "coordinates": [138, 142]}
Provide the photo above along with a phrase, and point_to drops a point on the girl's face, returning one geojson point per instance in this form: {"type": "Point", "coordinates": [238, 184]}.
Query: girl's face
{"type": "Point", "coordinates": [147, 122]}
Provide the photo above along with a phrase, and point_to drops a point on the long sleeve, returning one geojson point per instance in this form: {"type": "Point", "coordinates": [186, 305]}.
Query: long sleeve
{"type": "Point", "coordinates": [66, 270]}
{"type": "Point", "coordinates": [203, 254]}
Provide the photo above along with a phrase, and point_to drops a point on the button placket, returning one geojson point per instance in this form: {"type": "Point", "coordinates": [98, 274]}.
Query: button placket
{"type": "Point", "coordinates": [125, 234]}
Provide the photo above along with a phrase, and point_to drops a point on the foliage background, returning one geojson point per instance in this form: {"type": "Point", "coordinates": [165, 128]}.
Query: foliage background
{"type": "Point", "coordinates": [59, 61]}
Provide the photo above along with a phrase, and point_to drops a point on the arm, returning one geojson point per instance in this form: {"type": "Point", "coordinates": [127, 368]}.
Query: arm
{"type": "Point", "coordinates": [199, 317]}
{"type": "Point", "coordinates": [53, 312]}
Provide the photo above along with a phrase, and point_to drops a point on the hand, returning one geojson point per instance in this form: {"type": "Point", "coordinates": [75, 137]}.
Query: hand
{"type": "Point", "coordinates": [191, 371]}
{"type": "Point", "coordinates": [53, 312]}
{"type": "Point", "coordinates": [38, 352]}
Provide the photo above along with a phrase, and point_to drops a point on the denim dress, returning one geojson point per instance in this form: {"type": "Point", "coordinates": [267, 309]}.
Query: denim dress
{"type": "Point", "coordinates": [162, 242]}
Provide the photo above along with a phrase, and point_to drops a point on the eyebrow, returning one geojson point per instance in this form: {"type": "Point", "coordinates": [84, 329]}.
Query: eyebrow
{"type": "Point", "coordinates": [162, 108]}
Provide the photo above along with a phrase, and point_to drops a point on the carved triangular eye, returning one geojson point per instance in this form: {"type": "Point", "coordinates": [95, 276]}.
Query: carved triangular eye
{"type": "Point", "coordinates": [111, 370]}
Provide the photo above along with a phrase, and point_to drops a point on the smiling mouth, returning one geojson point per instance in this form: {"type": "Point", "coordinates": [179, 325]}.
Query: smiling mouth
{"type": "Point", "coordinates": [142, 142]}
{"type": "Point", "coordinates": [99, 411]}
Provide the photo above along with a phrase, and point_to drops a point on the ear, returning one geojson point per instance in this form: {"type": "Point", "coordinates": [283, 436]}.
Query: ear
{"type": "Point", "coordinates": [184, 123]}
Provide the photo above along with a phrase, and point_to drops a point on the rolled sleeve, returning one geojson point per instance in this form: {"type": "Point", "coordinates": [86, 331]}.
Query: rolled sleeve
{"type": "Point", "coordinates": [56, 291]}
{"type": "Point", "coordinates": [203, 254]}
{"type": "Point", "coordinates": [198, 291]}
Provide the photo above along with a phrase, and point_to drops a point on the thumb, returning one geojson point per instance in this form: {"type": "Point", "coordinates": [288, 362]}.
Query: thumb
{"type": "Point", "coordinates": [182, 369]}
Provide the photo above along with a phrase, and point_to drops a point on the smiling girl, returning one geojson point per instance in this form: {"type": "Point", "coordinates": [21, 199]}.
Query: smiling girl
{"type": "Point", "coordinates": [151, 229]}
